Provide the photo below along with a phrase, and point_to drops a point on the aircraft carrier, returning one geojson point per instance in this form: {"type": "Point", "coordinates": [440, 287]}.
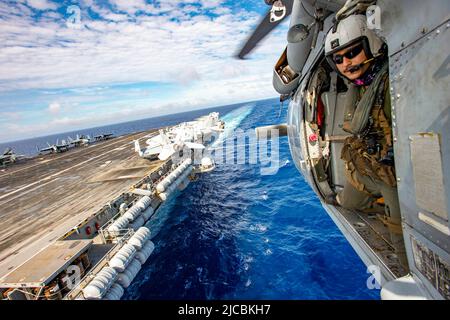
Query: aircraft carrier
{"type": "Point", "coordinates": [73, 224]}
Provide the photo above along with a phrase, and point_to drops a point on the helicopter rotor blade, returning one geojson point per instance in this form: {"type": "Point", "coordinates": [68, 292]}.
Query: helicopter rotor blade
{"type": "Point", "coordinates": [262, 30]}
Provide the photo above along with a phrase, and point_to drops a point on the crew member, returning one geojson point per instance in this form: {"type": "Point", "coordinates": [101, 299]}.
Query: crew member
{"type": "Point", "coordinates": [360, 56]}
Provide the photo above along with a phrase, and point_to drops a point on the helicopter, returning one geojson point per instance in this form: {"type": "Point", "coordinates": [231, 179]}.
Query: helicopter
{"type": "Point", "coordinates": [418, 53]}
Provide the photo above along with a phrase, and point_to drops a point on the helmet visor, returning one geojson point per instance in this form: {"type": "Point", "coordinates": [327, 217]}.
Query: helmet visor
{"type": "Point", "coordinates": [361, 40]}
{"type": "Point", "coordinates": [349, 54]}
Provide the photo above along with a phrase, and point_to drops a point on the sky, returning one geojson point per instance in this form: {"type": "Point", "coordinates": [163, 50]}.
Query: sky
{"type": "Point", "coordinates": [68, 65]}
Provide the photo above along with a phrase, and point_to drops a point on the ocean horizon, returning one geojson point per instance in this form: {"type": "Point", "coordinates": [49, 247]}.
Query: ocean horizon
{"type": "Point", "coordinates": [29, 146]}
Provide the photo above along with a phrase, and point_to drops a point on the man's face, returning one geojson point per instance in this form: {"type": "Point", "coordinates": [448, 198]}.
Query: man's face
{"type": "Point", "coordinates": [348, 57]}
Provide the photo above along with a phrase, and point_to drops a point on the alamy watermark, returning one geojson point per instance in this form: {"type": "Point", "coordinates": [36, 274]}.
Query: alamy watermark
{"type": "Point", "coordinates": [73, 20]}
{"type": "Point", "coordinates": [242, 147]}
{"type": "Point", "coordinates": [374, 280]}
{"type": "Point", "coordinates": [373, 14]}
{"type": "Point", "coordinates": [72, 277]}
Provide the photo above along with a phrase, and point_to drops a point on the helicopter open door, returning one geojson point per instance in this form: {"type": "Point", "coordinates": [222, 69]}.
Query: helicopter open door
{"type": "Point", "coordinates": [315, 130]}
{"type": "Point", "coordinates": [418, 68]}
{"type": "Point", "coordinates": [315, 120]}
{"type": "Point", "coordinates": [418, 53]}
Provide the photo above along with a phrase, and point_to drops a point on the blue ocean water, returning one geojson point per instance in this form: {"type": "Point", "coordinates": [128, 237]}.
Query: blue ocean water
{"type": "Point", "coordinates": [237, 234]}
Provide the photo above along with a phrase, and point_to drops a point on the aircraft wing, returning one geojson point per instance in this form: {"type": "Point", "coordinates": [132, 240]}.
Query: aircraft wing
{"type": "Point", "coordinates": [156, 140]}
{"type": "Point", "coordinates": [46, 149]}
{"type": "Point", "coordinates": [154, 149]}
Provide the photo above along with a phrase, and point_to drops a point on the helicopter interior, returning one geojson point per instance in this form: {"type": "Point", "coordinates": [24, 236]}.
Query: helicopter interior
{"type": "Point", "coordinates": [418, 87]}
{"type": "Point", "coordinates": [324, 98]}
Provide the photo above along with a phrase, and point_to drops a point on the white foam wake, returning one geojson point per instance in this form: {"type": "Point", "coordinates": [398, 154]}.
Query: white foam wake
{"type": "Point", "coordinates": [232, 121]}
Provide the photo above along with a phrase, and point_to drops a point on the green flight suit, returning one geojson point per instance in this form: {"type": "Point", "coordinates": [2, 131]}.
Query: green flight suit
{"type": "Point", "coordinates": [351, 198]}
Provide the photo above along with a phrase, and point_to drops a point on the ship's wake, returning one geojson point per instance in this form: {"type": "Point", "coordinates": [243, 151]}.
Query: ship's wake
{"type": "Point", "coordinates": [232, 121]}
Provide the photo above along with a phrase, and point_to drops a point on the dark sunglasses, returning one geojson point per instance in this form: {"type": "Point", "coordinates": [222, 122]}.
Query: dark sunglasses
{"type": "Point", "coordinates": [350, 54]}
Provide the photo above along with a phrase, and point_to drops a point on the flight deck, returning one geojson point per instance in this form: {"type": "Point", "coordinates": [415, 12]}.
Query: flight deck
{"type": "Point", "coordinates": [46, 196]}
{"type": "Point", "coordinates": [75, 222]}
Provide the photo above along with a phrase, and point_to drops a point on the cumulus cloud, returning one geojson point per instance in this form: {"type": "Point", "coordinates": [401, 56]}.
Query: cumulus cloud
{"type": "Point", "coordinates": [135, 42]}
{"type": "Point", "coordinates": [50, 55]}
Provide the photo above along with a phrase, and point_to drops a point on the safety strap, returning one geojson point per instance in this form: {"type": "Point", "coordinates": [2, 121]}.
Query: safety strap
{"type": "Point", "coordinates": [363, 110]}
{"type": "Point", "coordinates": [351, 98]}
{"type": "Point", "coordinates": [383, 120]}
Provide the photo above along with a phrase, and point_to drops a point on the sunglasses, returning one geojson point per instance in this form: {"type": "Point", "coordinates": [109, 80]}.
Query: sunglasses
{"type": "Point", "coordinates": [350, 54]}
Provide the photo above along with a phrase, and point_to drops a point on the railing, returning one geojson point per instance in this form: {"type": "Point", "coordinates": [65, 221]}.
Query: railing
{"type": "Point", "coordinates": [165, 167]}
{"type": "Point", "coordinates": [103, 231]}
{"type": "Point", "coordinates": [125, 235]}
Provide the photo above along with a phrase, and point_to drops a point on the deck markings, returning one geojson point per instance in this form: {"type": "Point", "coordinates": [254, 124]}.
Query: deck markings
{"type": "Point", "coordinates": [119, 139]}
{"type": "Point", "coordinates": [55, 174]}
{"type": "Point", "coordinates": [22, 250]}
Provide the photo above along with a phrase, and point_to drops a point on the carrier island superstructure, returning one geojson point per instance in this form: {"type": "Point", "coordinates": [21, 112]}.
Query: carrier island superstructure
{"type": "Point", "coordinates": [73, 225]}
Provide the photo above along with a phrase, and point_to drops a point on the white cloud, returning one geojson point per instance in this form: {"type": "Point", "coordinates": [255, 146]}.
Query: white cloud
{"type": "Point", "coordinates": [42, 4]}
{"type": "Point", "coordinates": [149, 49]}
{"type": "Point", "coordinates": [222, 10]}
{"type": "Point", "coordinates": [191, 8]}
{"type": "Point", "coordinates": [11, 116]}
{"type": "Point", "coordinates": [130, 6]}
{"type": "Point", "coordinates": [54, 108]}
{"type": "Point", "coordinates": [194, 52]}
{"type": "Point", "coordinates": [210, 3]}
{"type": "Point", "coordinates": [187, 75]}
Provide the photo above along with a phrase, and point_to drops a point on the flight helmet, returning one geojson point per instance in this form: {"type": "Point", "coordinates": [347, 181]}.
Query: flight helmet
{"type": "Point", "coordinates": [349, 31]}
